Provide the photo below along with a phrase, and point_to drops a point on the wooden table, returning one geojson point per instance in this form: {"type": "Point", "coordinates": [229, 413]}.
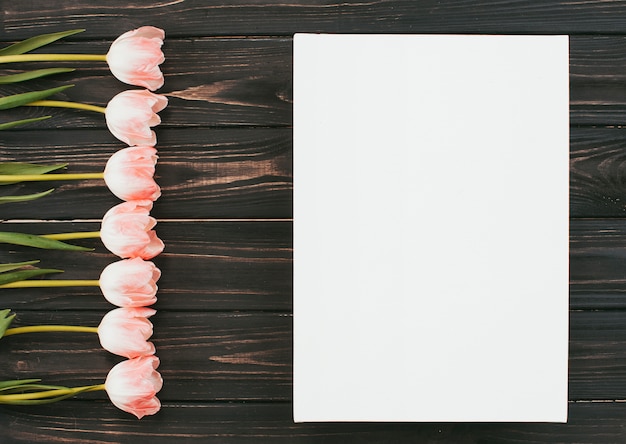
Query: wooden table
{"type": "Point", "coordinates": [223, 327]}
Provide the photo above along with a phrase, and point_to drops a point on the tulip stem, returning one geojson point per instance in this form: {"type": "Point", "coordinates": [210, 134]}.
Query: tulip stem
{"type": "Point", "coordinates": [52, 58]}
{"type": "Point", "coordinates": [62, 104]}
{"type": "Point", "coordinates": [9, 399]}
{"type": "Point", "coordinates": [47, 177]}
{"type": "Point", "coordinates": [51, 283]}
{"type": "Point", "coordinates": [49, 328]}
{"type": "Point", "coordinates": [71, 236]}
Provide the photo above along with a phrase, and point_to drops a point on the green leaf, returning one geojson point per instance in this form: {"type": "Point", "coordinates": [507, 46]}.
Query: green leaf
{"type": "Point", "coordinates": [29, 75]}
{"type": "Point", "coordinates": [10, 168]}
{"type": "Point", "coordinates": [22, 275]}
{"type": "Point", "coordinates": [8, 125]}
{"type": "Point", "coordinates": [16, 383]}
{"type": "Point", "coordinates": [28, 168]}
{"type": "Point", "coordinates": [24, 197]}
{"type": "Point", "coordinates": [16, 100]}
{"type": "Point", "coordinates": [32, 240]}
{"type": "Point", "coordinates": [36, 42]}
{"type": "Point", "coordinates": [15, 265]}
{"type": "Point", "coordinates": [5, 320]}
{"type": "Point", "coordinates": [13, 168]}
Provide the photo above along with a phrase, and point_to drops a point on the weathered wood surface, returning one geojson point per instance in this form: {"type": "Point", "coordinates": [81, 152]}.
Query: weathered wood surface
{"type": "Point", "coordinates": [207, 266]}
{"type": "Point", "coordinates": [246, 356]}
{"type": "Point", "coordinates": [192, 422]}
{"type": "Point", "coordinates": [247, 172]}
{"type": "Point", "coordinates": [204, 173]}
{"type": "Point", "coordinates": [223, 328]}
{"type": "Point", "coordinates": [245, 17]}
{"type": "Point", "coordinates": [214, 81]}
{"type": "Point", "coordinates": [246, 265]}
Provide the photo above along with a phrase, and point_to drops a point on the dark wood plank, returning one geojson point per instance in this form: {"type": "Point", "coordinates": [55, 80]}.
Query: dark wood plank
{"type": "Point", "coordinates": [597, 67]}
{"type": "Point", "coordinates": [204, 173]}
{"type": "Point", "coordinates": [208, 18]}
{"type": "Point", "coordinates": [242, 81]}
{"type": "Point", "coordinates": [597, 59]}
{"type": "Point", "coordinates": [224, 265]}
{"type": "Point", "coordinates": [204, 356]}
{"type": "Point", "coordinates": [210, 82]}
{"type": "Point", "coordinates": [271, 423]}
{"type": "Point", "coordinates": [247, 172]}
{"type": "Point", "coordinates": [208, 356]}
{"type": "Point", "coordinates": [597, 355]}
{"type": "Point", "coordinates": [247, 81]}
{"type": "Point", "coordinates": [597, 184]}
{"type": "Point", "coordinates": [597, 263]}
{"type": "Point", "coordinates": [206, 266]}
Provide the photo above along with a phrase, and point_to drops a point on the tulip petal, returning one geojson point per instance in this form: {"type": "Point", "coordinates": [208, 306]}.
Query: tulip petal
{"type": "Point", "coordinates": [129, 174]}
{"type": "Point", "coordinates": [135, 56]}
{"type": "Point", "coordinates": [132, 386]}
{"type": "Point", "coordinates": [126, 230]}
{"type": "Point", "coordinates": [130, 115]}
{"type": "Point", "coordinates": [130, 283]}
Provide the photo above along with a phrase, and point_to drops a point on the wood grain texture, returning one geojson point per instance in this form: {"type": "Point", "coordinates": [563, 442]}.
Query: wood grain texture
{"type": "Point", "coordinates": [247, 82]}
{"type": "Point", "coordinates": [205, 173]}
{"type": "Point", "coordinates": [248, 356]}
{"type": "Point", "coordinates": [597, 69]}
{"type": "Point", "coordinates": [207, 266]}
{"type": "Point", "coordinates": [204, 356]}
{"type": "Point", "coordinates": [597, 166]}
{"type": "Point", "coordinates": [271, 423]}
{"type": "Point", "coordinates": [598, 264]}
{"type": "Point", "coordinates": [248, 172]}
{"type": "Point", "coordinates": [209, 82]}
{"type": "Point", "coordinates": [250, 17]}
{"type": "Point", "coordinates": [222, 265]}
{"type": "Point", "coordinates": [239, 265]}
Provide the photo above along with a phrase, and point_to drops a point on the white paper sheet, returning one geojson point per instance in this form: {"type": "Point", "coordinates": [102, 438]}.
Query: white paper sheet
{"type": "Point", "coordinates": [430, 228]}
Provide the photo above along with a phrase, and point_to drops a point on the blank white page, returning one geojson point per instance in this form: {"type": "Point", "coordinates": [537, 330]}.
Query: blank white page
{"type": "Point", "coordinates": [430, 228]}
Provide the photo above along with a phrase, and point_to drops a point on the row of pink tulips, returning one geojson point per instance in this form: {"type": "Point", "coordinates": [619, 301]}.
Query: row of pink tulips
{"type": "Point", "coordinates": [131, 385]}
{"type": "Point", "coordinates": [127, 229]}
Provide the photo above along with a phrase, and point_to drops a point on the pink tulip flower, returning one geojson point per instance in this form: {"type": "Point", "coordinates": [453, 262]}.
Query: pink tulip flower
{"type": "Point", "coordinates": [125, 332]}
{"type": "Point", "coordinates": [127, 230]}
{"type": "Point", "coordinates": [135, 56]}
{"type": "Point", "coordinates": [130, 115]}
{"type": "Point", "coordinates": [132, 386]}
{"type": "Point", "coordinates": [130, 283]}
{"type": "Point", "coordinates": [129, 173]}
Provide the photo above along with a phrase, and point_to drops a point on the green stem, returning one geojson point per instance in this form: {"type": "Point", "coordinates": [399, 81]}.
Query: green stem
{"type": "Point", "coordinates": [7, 399]}
{"type": "Point", "coordinates": [71, 236]}
{"type": "Point", "coordinates": [52, 283]}
{"type": "Point", "coordinates": [49, 328]}
{"type": "Point", "coordinates": [62, 104]}
{"type": "Point", "coordinates": [48, 177]}
{"type": "Point", "coordinates": [52, 58]}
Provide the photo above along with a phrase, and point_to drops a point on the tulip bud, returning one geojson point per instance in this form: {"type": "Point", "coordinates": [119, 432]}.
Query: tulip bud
{"type": "Point", "coordinates": [130, 115]}
{"type": "Point", "coordinates": [126, 230]}
{"type": "Point", "coordinates": [132, 386]}
{"type": "Point", "coordinates": [130, 283]}
{"type": "Point", "coordinates": [135, 56]}
{"type": "Point", "coordinates": [129, 173]}
{"type": "Point", "coordinates": [125, 332]}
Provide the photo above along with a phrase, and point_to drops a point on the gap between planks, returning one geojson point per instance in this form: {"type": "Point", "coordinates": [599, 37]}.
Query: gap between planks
{"type": "Point", "coordinates": [31, 221]}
